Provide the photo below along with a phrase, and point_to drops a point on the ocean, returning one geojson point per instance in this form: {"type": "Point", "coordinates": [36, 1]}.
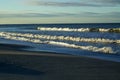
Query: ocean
{"type": "Point", "coordinates": [95, 40]}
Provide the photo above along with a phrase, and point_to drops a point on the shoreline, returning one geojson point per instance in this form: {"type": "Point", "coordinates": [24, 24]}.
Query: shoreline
{"type": "Point", "coordinates": [24, 65]}
{"type": "Point", "coordinates": [18, 49]}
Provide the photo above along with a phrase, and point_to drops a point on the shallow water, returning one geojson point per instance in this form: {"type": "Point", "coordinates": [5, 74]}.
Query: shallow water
{"type": "Point", "coordinates": [96, 44]}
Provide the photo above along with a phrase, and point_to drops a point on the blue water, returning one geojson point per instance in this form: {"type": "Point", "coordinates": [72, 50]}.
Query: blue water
{"type": "Point", "coordinates": [32, 29]}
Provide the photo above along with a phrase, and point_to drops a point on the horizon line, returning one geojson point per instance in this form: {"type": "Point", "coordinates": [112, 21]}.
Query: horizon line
{"type": "Point", "coordinates": [58, 23]}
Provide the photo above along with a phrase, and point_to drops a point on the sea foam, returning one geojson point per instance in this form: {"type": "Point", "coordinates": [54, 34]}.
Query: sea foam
{"type": "Point", "coordinates": [117, 30]}
{"type": "Point", "coordinates": [32, 38]}
{"type": "Point", "coordinates": [89, 48]}
{"type": "Point", "coordinates": [66, 38]}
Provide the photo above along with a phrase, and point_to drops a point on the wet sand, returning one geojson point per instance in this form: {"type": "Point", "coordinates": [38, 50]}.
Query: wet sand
{"type": "Point", "coordinates": [24, 65]}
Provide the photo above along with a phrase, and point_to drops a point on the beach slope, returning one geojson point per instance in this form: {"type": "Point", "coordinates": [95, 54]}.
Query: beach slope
{"type": "Point", "coordinates": [23, 65]}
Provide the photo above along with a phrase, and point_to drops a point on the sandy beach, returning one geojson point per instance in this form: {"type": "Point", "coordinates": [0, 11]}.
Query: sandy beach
{"type": "Point", "coordinates": [24, 65]}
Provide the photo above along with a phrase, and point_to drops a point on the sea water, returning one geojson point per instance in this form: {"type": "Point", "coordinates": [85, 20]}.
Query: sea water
{"type": "Point", "coordinates": [89, 40]}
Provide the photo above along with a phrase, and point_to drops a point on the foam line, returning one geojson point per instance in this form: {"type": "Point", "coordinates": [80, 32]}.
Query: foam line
{"type": "Point", "coordinates": [88, 48]}
{"type": "Point", "coordinates": [63, 29]}
{"type": "Point", "coordinates": [117, 30]}
{"type": "Point", "coordinates": [66, 38]}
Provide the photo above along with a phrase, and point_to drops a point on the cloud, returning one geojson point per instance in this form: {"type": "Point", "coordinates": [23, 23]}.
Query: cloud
{"type": "Point", "coordinates": [50, 15]}
{"type": "Point", "coordinates": [107, 1]}
{"type": "Point", "coordinates": [113, 14]}
{"type": "Point", "coordinates": [37, 15]}
{"type": "Point", "coordinates": [85, 3]}
{"type": "Point", "coordinates": [28, 15]}
{"type": "Point", "coordinates": [60, 4]}
{"type": "Point", "coordinates": [101, 15]}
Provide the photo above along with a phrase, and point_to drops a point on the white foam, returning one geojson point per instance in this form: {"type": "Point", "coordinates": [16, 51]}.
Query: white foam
{"type": "Point", "coordinates": [89, 48]}
{"type": "Point", "coordinates": [79, 29]}
{"type": "Point", "coordinates": [67, 38]}
{"type": "Point", "coordinates": [23, 39]}
{"type": "Point", "coordinates": [36, 38]}
{"type": "Point", "coordinates": [63, 29]}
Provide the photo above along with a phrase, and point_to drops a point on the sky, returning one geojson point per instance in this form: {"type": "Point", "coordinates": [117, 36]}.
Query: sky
{"type": "Point", "coordinates": [59, 11]}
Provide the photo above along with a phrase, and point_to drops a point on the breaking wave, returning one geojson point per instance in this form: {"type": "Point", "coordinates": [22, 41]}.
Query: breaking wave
{"type": "Point", "coordinates": [117, 30]}
{"type": "Point", "coordinates": [37, 39]}
{"type": "Point", "coordinates": [66, 38]}
{"type": "Point", "coordinates": [89, 48]}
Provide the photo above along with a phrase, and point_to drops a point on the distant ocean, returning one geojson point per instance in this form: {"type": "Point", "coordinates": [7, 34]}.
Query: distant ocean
{"type": "Point", "coordinates": [100, 41]}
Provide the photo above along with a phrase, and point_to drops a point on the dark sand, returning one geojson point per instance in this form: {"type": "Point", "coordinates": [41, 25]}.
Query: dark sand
{"type": "Point", "coordinates": [22, 65]}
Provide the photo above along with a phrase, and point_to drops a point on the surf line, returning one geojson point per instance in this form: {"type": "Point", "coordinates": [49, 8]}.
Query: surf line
{"type": "Point", "coordinates": [66, 38]}
{"type": "Point", "coordinates": [115, 30]}
{"type": "Point", "coordinates": [108, 50]}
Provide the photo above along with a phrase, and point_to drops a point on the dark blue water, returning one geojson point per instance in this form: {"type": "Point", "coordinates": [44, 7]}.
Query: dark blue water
{"type": "Point", "coordinates": [32, 29]}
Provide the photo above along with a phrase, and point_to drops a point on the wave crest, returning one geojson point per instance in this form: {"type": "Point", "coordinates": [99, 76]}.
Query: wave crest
{"type": "Point", "coordinates": [67, 38]}
{"type": "Point", "coordinates": [117, 30]}
{"type": "Point", "coordinates": [32, 38]}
